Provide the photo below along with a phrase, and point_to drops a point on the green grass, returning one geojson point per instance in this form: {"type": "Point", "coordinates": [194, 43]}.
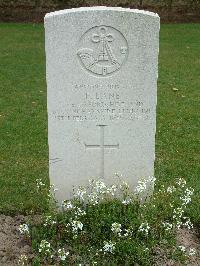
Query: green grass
{"type": "Point", "coordinates": [23, 120]}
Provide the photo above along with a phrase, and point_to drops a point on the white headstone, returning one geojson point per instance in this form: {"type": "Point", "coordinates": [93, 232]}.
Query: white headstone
{"type": "Point", "coordinates": [102, 66]}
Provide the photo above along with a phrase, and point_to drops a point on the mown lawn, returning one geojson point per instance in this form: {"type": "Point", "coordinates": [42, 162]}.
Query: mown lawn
{"type": "Point", "coordinates": [23, 117]}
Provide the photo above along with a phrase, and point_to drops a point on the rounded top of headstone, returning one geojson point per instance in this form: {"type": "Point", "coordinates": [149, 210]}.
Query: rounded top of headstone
{"type": "Point", "coordinates": [99, 8]}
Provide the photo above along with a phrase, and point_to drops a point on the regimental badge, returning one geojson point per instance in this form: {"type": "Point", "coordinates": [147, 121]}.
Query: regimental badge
{"type": "Point", "coordinates": [102, 50]}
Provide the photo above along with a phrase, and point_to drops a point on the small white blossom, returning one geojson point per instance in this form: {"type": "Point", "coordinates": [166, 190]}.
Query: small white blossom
{"type": "Point", "coordinates": [141, 187]}
{"type": "Point", "coordinates": [178, 213]}
{"type": "Point", "coordinates": [23, 259]}
{"type": "Point", "coordinates": [151, 179]}
{"type": "Point", "coordinates": [80, 193]}
{"type": "Point", "coordinates": [116, 228]}
{"type": "Point", "coordinates": [24, 229]}
{"type": "Point", "coordinates": [93, 198]}
{"type": "Point", "coordinates": [67, 205]}
{"type": "Point", "coordinates": [39, 183]}
{"type": "Point", "coordinates": [187, 223]}
{"type": "Point", "coordinates": [53, 188]}
{"type": "Point", "coordinates": [126, 201]}
{"type": "Point", "coordinates": [100, 187]}
{"type": "Point", "coordinates": [49, 221]}
{"type": "Point", "coordinates": [186, 198]}
{"type": "Point", "coordinates": [171, 189]}
{"type": "Point", "coordinates": [109, 247]}
{"type": "Point", "coordinates": [112, 190]}
{"type": "Point", "coordinates": [182, 248]}
{"type": "Point", "coordinates": [167, 226]}
{"type": "Point", "coordinates": [181, 182]}
{"type": "Point", "coordinates": [192, 252]}
{"type": "Point", "coordinates": [76, 225]}
{"type": "Point", "coordinates": [142, 184]}
{"type": "Point", "coordinates": [144, 228]}
{"type": "Point", "coordinates": [44, 247]}
{"type": "Point", "coordinates": [62, 254]}
{"type": "Point", "coordinates": [127, 232]}
{"type": "Point", "coordinates": [78, 212]}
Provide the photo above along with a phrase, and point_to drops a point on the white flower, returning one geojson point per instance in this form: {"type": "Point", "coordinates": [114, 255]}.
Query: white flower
{"type": "Point", "coordinates": [100, 187]}
{"type": "Point", "coordinates": [79, 212]}
{"type": "Point", "coordinates": [141, 187]}
{"type": "Point", "coordinates": [186, 198]}
{"type": "Point", "coordinates": [181, 182]}
{"type": "Point", "coordinates": [144, 228]}
{"type": "Point", "coordinates": [108, 247]}
{"type": "Point", "coordinates": [142, 184]}
{"type": "Point", "coordinates": [192, 252]}
{"type": "Point", "coordinates": [112, 190]}
{"type": "Point", "coordinates": [187, 223]}
{"type": "Point", "coordinates": [22, 260]}
{"type": "Point", "coordinates": [80, 193]}
{"type": "Point", "coordinates": [126, 201]}
{"type": "Point", "coordinates": [24, 229]}
{"type": "Point", "coordinates": [76, 225]}
{"type": "Point", "coordinates": [128, 232]}
{"type": "Point", "coordinates": [44, 247]}
{"type": "Point", "coordinates": [178, 213]}
{"type": "Point", "coordinates": [182, 248]}
{"type": "Point", "coordinates": [151, 179]}
{"type": "Point", "coordinates": [167, 226]}
{"type": "Point", "coordinates": [124, 185]}
{"type": "Point", "coordinates": [67, 205]}
{"type": "Point", "coordinates": [171, 189]}
{"type": "Point", "coordinates": [93, 198]}
{"type": "Point", "coordinates": [39, 183]}
{"type": "Point", "coordinates": [53, 188]}
{"type": "Point", "coordinates": [116, 228]}
{"type": "Point", "coordinates": [62, 254]}
{"type": "Point", "coordinates": [49, 221]}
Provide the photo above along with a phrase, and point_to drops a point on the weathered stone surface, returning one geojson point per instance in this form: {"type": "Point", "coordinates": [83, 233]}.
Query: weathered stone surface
{"type": "Point", "coordinates": [101, 80]}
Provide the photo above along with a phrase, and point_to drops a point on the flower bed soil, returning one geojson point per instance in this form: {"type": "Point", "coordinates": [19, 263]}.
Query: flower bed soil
{"type": "Point", "coordinates": [12, 244]}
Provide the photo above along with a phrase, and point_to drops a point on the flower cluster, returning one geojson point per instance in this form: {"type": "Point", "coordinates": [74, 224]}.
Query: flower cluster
{"type": "Point", "coordinates": [23, 259]}
{"type": "Point", "coordinates": [116, 228]}
{"type": "Point", "coordinates": [76, 226]}
{"type": "Point", "coordinates": [78, 212]}
{"type": "Point", "coordinates": [126, 201]}
{"type": "Point", "coordinates": [181, 182]}
{"type": "Point", "coordinates": [112, 190]}
{"type": "Point", "coordinates": [167, 226]}
{"type": "Point", "coordinates": [186, 198]}
{"type": "Point", "coordinates": [144, 184]}
{"type": "Point", "coordinates": [45, 247]}
{"type": "Point", "coordinates": [144, 228]}
{"type": "Point", "coordinates": [190, 252]}
{"type": "Point", "coordinates": [67, 205]}
{"type": "Point", "coordinates": [39, 184]}
{"type": "Point", "coordinates": [171, 189]}
{"type": "Point", "coordinates": [62, 254]}
{"type": "Point", "coordinates": [24, 229]}
{"type": "Point", "coordinates": [49, 221]}
{"type": "Point", "coordinates": [108, 247]}
{"type": "Point", "coordinates": [134, 228]}
{"type": "Point", "coordinates": [80, 193]}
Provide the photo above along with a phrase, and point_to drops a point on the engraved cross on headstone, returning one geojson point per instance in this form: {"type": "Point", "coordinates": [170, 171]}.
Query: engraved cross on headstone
{"type": "Point", "coordinates": [102, 148]}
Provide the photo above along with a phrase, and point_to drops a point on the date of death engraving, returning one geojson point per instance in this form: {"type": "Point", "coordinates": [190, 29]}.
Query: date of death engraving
{"type": "Point", "coordinates": [99, 106]}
